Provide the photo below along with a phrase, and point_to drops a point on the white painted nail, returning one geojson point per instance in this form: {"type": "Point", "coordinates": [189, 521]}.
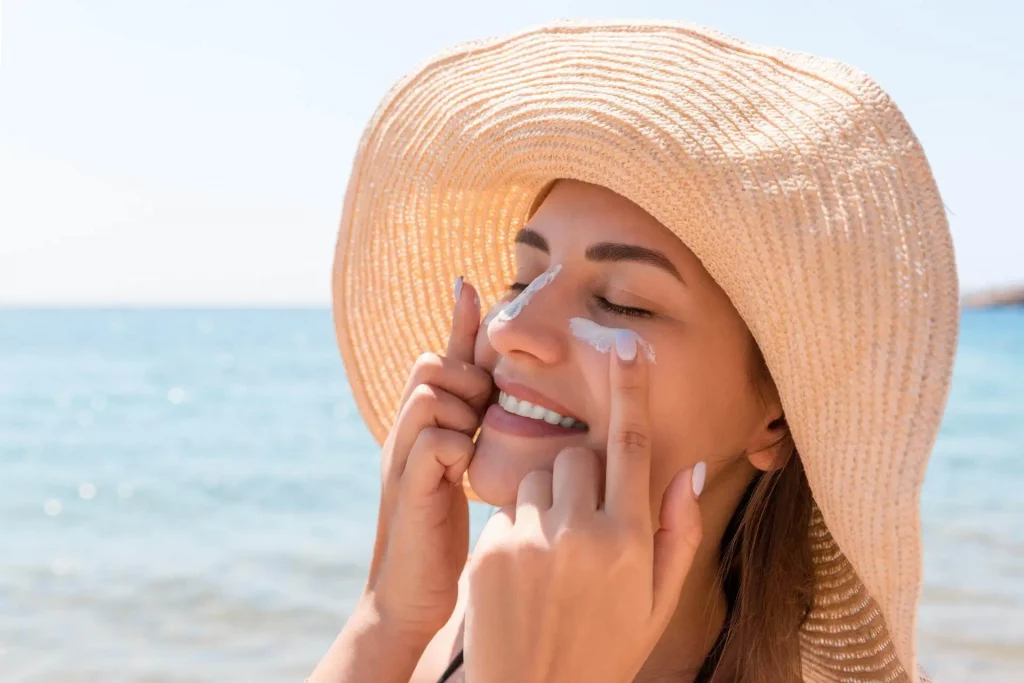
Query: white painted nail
{"type": "Point", "coordinates": [458, 287]}
{"type": "Point", "coordinates": [700, 472]}
{"type": "Point", "coordinates": [625, 344]}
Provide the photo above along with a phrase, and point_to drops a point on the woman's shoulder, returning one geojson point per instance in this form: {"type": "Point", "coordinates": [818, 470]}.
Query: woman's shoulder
{"type": "Point", "coordinates": [446, 643]}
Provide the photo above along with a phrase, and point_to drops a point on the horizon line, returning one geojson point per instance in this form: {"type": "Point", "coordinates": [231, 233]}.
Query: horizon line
{"type": "Point", "coordinates": [172, 306]}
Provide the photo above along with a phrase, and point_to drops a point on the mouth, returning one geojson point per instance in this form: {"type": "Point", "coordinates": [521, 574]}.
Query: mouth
{"type": "Point", "coordinates": [522, 411]}
{"type": "Point", "coordinates": [534, 411]}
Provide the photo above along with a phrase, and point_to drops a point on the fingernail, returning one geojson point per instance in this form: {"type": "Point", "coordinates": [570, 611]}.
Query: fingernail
{"type": "Point", "coordinates": [625, 344]}
{"type": "Point", "coordinates": [458, 287]}
{"type": "Point", "coordinates": [700, 473]}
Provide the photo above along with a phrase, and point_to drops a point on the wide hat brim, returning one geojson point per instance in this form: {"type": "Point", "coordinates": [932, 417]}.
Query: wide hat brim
{"type": "Point", "coordinates": [797, 183]}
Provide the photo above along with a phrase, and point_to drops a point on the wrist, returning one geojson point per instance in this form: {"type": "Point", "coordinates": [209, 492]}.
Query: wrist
{"type": "Point", "coordinates": [385, 625]}
{"type": "Point", "coordinates": [371, 647]}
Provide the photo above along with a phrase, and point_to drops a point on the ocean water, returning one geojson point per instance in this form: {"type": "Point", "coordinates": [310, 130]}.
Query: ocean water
{"type": "Point", "coordinates": [191, 496]}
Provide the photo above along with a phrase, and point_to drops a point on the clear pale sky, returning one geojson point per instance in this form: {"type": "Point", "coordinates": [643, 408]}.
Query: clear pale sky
{"type": "Point", "coordinates": [196, 152]}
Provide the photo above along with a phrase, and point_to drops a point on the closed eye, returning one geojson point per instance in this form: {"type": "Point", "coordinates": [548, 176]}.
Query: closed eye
{"type": "Point", "coordinates": [602, 303]}
{"type": "Point", "coordinates": [623, 310]}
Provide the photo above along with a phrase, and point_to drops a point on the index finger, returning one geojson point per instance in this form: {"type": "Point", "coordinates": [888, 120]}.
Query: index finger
{"type": "Point", "coordinates": [465, 322]}
{"type": "Point", "coordinates": [627, 484]}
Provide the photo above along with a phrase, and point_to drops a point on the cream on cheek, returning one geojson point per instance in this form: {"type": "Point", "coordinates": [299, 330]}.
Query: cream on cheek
{"type": "Point", "coordinates": [598, 336]}
{"type": "Point", "coordinates": [603, 338]}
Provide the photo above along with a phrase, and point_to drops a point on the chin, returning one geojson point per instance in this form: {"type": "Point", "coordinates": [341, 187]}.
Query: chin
{"type": "Point", "coordinates": [500, 462]}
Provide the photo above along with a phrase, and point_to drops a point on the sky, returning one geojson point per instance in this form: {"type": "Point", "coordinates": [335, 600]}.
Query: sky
{"type": "Point", "coordinates": [196, 152]}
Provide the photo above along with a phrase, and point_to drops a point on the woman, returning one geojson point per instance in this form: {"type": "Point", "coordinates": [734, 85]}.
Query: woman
{"type": "Point", "coordinates": [704, 400]}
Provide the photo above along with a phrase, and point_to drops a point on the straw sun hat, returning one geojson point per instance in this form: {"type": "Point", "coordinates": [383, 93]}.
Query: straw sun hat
{"type": "Point", "coordinates": [794, 179]}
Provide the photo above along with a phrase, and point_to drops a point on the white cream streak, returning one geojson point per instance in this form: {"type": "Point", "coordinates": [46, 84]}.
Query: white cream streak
{"type": "Point", "coordinates": [603, 338]}
{"type": "Point", "coordinates": [541, 281]}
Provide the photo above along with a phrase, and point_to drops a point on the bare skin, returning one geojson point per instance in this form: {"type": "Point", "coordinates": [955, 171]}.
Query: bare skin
{"type": "Point", "coordinates": [703, 405]}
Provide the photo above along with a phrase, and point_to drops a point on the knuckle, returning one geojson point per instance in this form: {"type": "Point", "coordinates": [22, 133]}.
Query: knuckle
{"type": "Point", "coordinates": [428, 359]}
{"type": "Point", "coordinates": [465, 419]}
{"type": "Point", "coordinates": [430, 439]}
{"type": "Point", "coordinates": [631, 389]}
{"type": "Point", "coordinates": [482, 384]}
{"type": "Point", "coordinates": [458, 448]}
{"type": "Point", "coordinates": [482, 376]}
{"type": "Point", "coordinates": [576, 547]}
{"type": "Point", "coordinates": [463, 443]}
{"type": "Point", "coordinates": [573, 539]}
{"type": "Point", "coordinates": [423, 396]}
{"type": "Point", "coordinates": [426, 367]}
{"type": "Point", "coordinates": [631, 438]}
{"type": "Point", "coordinates": [489, 563]}
{"type": "Point", "coordinates": [532, 548]}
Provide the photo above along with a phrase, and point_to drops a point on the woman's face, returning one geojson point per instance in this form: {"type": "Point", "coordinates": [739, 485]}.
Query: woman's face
{"type": "Point", "coordinates": [620, 268]}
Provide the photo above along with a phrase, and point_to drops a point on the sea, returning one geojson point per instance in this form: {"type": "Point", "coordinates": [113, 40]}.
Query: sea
{"type": "Point", "coordinates": [190, 495]}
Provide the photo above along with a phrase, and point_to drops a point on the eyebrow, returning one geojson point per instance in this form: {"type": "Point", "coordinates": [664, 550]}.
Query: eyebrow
{"type": "Point", "coordinates": [608, 252]}
{"type": "Point", "coordinates": [532, 238]}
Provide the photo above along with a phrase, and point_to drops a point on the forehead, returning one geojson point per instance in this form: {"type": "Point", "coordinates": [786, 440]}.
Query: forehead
{"type": "Point", "coordinates": [574, 211]}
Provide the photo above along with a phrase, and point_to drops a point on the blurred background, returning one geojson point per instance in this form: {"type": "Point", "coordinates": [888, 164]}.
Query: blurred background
{"type": "Point", "coordinates": [187, 492]}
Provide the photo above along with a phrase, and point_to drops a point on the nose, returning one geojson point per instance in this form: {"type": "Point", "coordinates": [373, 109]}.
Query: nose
{"type": "Point", "coordinates": [537, 331]}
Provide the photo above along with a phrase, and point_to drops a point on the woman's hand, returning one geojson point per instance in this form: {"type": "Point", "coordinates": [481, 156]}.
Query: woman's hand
{"type": "Point", "coordinates": [563, 588]}
{"type": "Point", "coordinates": [423, 522]}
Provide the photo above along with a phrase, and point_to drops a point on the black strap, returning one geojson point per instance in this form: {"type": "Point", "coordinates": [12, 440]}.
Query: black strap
{"type": "Point", "coordinates": [452, 668]}
{"type": "Point", "coordinates": [704, 674]}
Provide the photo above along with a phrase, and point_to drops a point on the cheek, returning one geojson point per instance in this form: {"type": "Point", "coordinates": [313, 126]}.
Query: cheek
{"type": "Point", "coordinates": [700, 410]}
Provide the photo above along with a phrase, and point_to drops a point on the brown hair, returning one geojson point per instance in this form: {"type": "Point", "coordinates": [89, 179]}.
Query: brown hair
{"type": "Point", "coordinates": [767, 574]}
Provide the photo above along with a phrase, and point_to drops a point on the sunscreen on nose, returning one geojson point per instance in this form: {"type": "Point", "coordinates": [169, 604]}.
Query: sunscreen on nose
{"type": "Point", "coordinates": [603, 338]}
{"type": "Point", "coordinates": [541, 281]}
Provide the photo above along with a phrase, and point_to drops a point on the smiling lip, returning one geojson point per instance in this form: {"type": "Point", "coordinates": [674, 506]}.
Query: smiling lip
{"type": "Point", "coordinates": [501, 420]}
{"type": "Point", "coordinates": [525, 393]}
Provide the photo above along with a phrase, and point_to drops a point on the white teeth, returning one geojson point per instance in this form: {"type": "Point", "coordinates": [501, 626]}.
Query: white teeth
{"type": "Point", "coordinates": [552, 418]}
{"type": "Point", "coordinates": [535, 412]}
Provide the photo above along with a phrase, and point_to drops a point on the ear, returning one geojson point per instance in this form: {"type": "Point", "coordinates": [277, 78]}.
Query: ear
{"type": "Point", "coordinates": [771, 444]}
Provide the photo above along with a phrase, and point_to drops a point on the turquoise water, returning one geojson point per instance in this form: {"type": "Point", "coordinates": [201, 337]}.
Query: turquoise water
{"type": "Point", "coordinates": [190, 496]}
